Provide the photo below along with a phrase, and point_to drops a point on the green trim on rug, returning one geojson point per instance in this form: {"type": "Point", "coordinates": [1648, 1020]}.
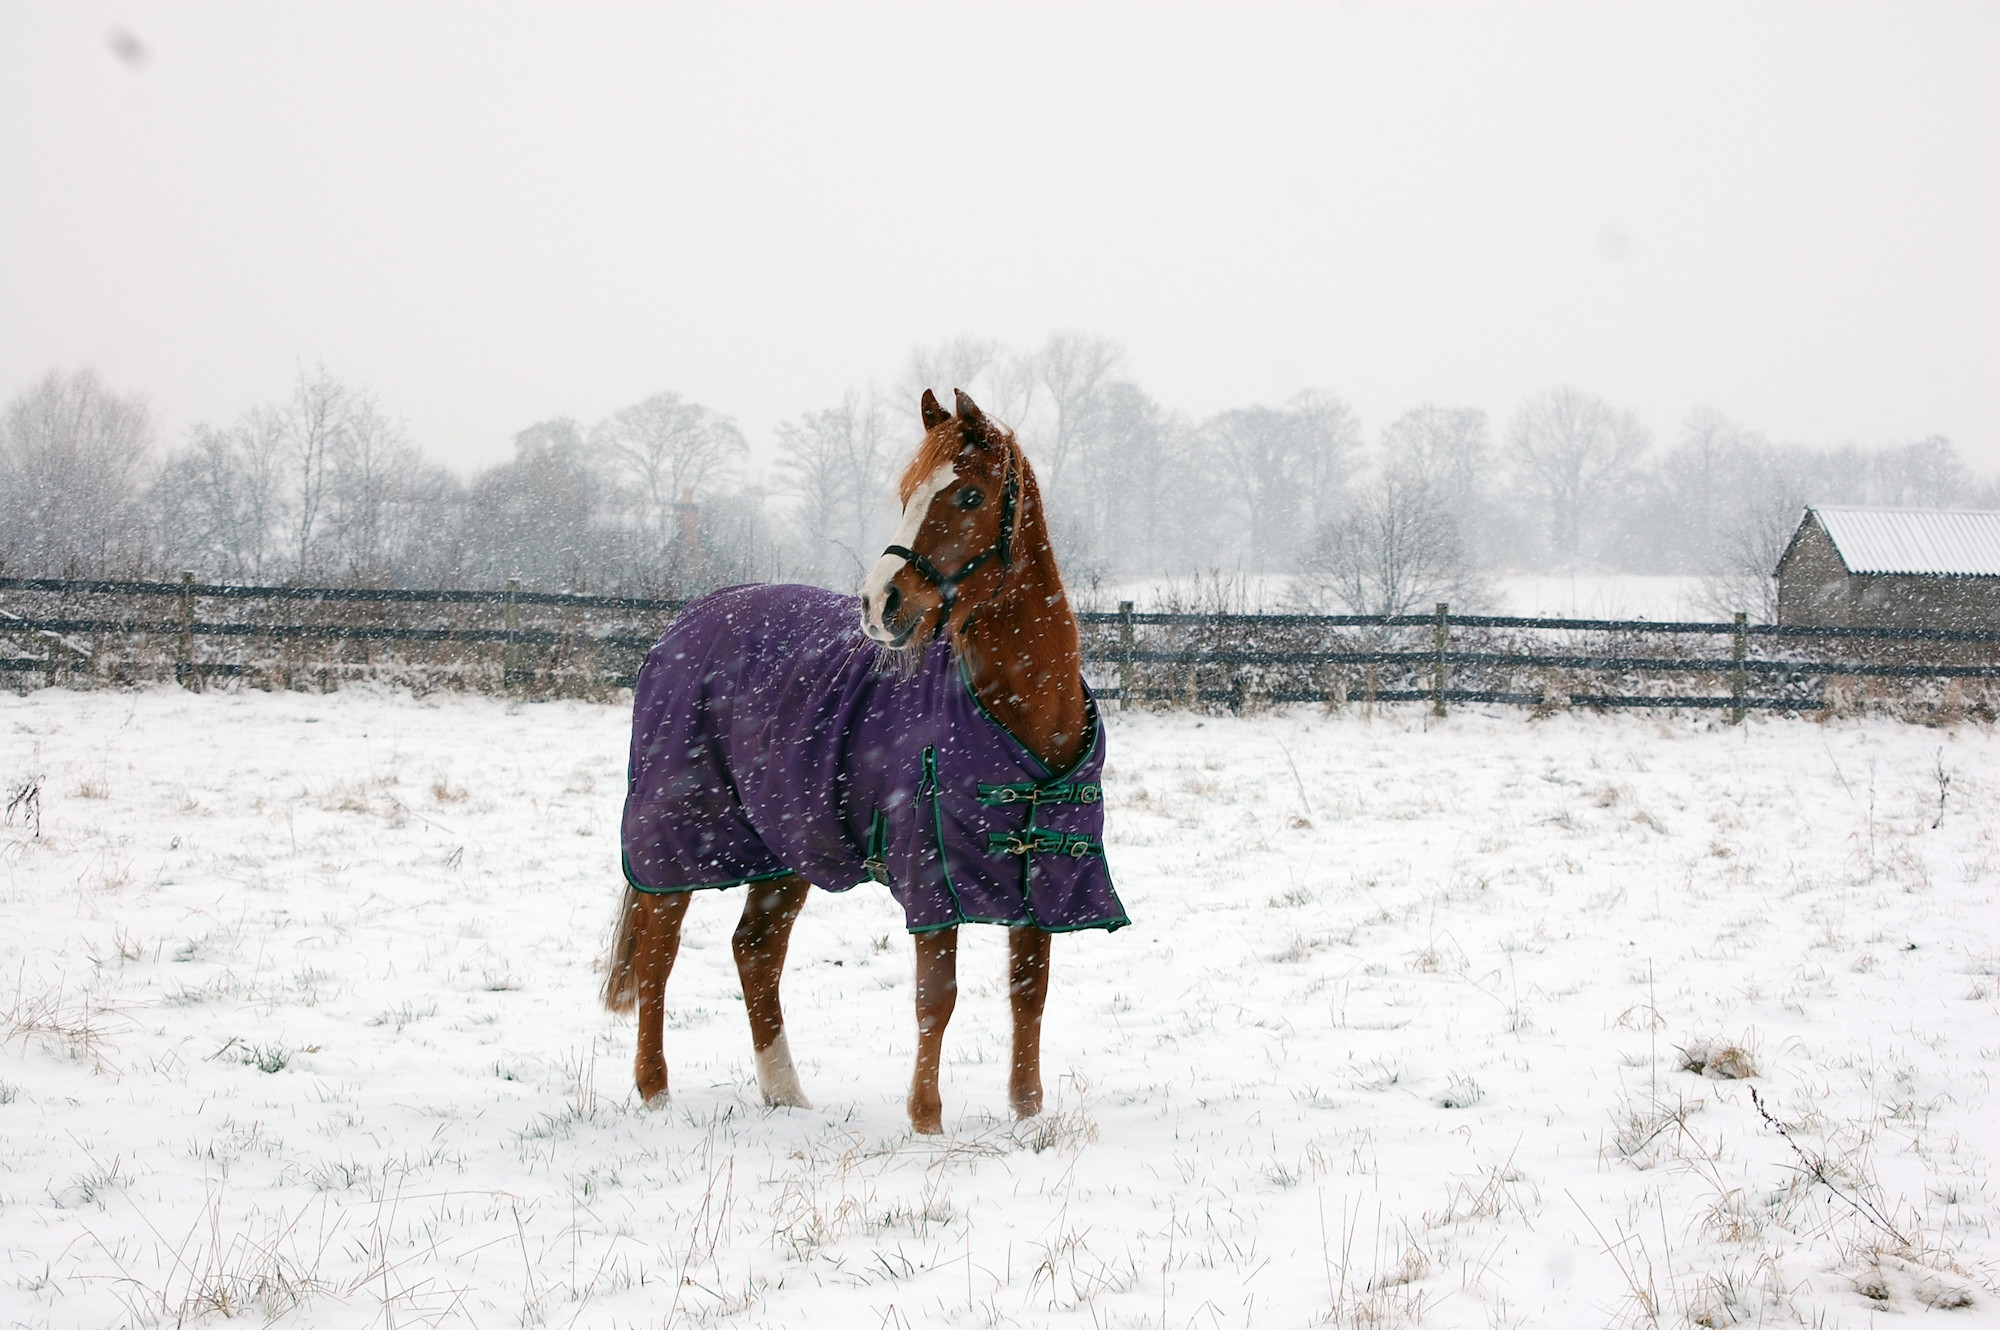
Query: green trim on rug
{"type": "Point", "coordinates": [625, 863]}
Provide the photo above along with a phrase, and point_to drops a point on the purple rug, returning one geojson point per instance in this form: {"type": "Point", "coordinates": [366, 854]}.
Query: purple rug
{"type": "Point", "coordinates": [769, 737]}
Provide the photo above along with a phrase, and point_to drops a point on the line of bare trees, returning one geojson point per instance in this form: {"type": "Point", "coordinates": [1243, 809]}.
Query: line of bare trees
{"type": "Point", "coordinates": [327, 486]}
{"type": "Point", "coordinates": [658, 498]}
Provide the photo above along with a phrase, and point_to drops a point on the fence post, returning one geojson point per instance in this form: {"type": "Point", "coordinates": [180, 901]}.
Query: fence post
{"type": "Point", "coordinates": [1124, 654]}
{"type": "Point", "coordinates": [1739, 680]}
{"type": "Point", "coordinates": [184, 672]}
{"type": "Point", "coordinates": [1443, 635]}
{"type": "Point", "coordinates": [510, 650]}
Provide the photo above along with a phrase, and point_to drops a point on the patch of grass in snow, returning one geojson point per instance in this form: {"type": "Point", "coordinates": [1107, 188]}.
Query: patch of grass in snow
{"type": "Point", "coordinates": [1390, 1296]}
{"type": "Point", "coordinates": [1644, 1134]}
{"type": "Point", "coordinates": [1064, 1125]}
{"type": "Point", "coordinates": [1380, 1074]}
{"type": "Point", "coordinates": [263, 1268]}
{"type": "Point", "coordinates": [217, 943]}
{"type": "Point", "coordinates": [1488, 1196]}
{"type": "Point", "coordinates": [223, 985]}
{"type": "Point", "coordinates": [1299, 949]}
{"type": "Point", "coordinates": [91, 1186]}
{"type": "Point", "coordinates": [403, 1015]}
{"type": "Point", "coordinates": [1461, 1092]}
{"type": "Point", "coordinates": [76, 1027]}
{"type": "Point", "coordinates": [270, 1058]}
{"type": "Point", "coordinates": [308, 982]}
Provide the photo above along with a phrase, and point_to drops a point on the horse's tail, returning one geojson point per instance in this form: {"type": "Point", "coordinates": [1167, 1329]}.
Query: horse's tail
{"type": "Point", "coordinates": [621, 975]}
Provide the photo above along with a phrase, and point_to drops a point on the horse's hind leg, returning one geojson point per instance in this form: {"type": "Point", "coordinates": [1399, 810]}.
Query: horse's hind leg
{"type": "Point", "coordinates": [760, 941]}
{"type": "Point", "coordinates": [1028, 990]}
{"type": "Point", "coordinates": [642, 956]}
{"type": "Point", "coordinates": [937, 994]}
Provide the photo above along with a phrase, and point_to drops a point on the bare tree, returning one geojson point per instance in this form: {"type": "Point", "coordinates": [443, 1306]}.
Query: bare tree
{"type": "Point", "coordinates": [217, 501]}
{"type": "Point", "coordinates": [1743, 558]}
{"type": "Point", "coordinates": [376, 474]}
{"type": "Point", "coordinates": [1926, 474]}
{"type": "Point", "coordinates": [958, 363]}
{"type": "Point", "coordinates": [837, 465]}
{"type": "Point", "coordinates": [1572, 454]}
{"type": "Point", "coordinates": [1446, 447]}
{"type": "Point", "coordinates": [540, 516]}
{"type": "Point", "coordinates": [1396, 550]}
{"type": "Point", "coordinates": [1329, 439]}
{"type": "Point", "coordinates": [1448, 451]}
{"type": "Point", "coordinates": [1072, 369]}
{"type": "Point", "coordinates": [315, 426]}
{"type": "Point", "coordinates": [670, 447]}
{"type": "Point", "coordinates": [1286, 468]}
{"type": "Point", "coordinates": [1137, 483]}
{"type": "Point", "coordinates": [258, 442]}
{"type": "Point", "coordinates": [70, 454]}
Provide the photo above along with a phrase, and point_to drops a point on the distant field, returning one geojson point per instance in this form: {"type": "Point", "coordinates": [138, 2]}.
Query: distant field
{"type": "Point", "coordinates": [1444, 1023]}
{"type": "Point", "coordinates": [1607, 596]}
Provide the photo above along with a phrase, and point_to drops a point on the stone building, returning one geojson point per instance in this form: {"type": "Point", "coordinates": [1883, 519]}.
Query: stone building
{"type": "Point", "coordinates": [1892, 568]}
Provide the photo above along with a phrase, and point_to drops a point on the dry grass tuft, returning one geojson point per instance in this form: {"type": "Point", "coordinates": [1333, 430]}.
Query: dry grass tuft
{"type": "Point", "coordinates": [70, 1027]}
{"type": "Point", "coordinates": [1718, 1059]}
{"type": "Point", "coordinates": [24, 803]}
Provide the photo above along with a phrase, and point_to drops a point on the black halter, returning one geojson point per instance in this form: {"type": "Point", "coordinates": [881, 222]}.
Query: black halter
{"type": "Point", "coordinates": [1001, 549]}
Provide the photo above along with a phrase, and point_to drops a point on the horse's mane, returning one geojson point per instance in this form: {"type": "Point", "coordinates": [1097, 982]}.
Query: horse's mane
{"type": "Point", "coordinates": [940, 446]}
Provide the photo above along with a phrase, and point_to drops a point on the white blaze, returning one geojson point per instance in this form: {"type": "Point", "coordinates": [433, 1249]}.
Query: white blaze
{"type": "Point", "coordinates": [886, 567]}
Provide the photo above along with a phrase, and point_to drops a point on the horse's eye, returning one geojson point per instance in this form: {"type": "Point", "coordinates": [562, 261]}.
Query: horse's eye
{"type": "Point", "coordinates": [970, 498]}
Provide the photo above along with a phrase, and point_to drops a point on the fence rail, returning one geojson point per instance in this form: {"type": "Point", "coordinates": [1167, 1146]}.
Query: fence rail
{"type": "Point", "coordinates": [557, 644]}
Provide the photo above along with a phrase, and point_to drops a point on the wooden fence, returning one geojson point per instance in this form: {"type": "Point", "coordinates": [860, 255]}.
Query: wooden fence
{"type": "Point", "coordinates": [86, 633]}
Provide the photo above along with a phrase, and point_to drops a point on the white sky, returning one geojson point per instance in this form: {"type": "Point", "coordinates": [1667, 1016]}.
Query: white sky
{"type": "Point", "coordinates": [493, 213]}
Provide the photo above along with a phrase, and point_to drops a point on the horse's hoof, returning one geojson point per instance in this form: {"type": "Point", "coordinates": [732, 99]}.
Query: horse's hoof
{"type": "Point", "coordinates": [1028, 1106]}
{"type": "Point", "coordinates": [796, 1098]}
{"type": "Point", "coordinates": [927, 1119]}
{"type": "Point", "coordinates": [655, 1103]}
{"type": "Point", "coordinates": [652, 1083]}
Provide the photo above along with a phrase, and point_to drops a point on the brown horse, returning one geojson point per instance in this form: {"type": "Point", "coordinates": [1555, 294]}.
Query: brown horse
{"type": "Point", "coordinates": [971, 563]}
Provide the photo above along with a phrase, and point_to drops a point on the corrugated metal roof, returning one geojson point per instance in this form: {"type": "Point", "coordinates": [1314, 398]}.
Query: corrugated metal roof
{"type": "Point", "coordinates": [1962, 542]}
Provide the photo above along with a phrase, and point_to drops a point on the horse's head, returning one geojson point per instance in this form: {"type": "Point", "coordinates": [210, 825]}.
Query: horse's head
{"type": "Point", "coordinates": [963, 498]}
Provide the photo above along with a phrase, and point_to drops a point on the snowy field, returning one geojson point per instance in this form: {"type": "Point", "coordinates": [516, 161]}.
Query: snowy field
{"type": "Point", "coordinates": [1543, 595]}
{"type": "Point", "coordinates": [300, 1024]}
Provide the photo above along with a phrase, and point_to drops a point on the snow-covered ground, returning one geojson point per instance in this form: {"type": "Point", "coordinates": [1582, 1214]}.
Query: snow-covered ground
{"type": "Point", "coordinates": [300, 1020]}
{"type": "Point", "coordinates": [1603, 596]}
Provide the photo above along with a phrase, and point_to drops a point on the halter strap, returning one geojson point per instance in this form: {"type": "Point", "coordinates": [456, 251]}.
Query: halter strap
{"type": "Point", "coordinates": [1002, 548]}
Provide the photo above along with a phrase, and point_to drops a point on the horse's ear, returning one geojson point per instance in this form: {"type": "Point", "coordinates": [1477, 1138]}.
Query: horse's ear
{"type": "Point", "coordinates": [934, 415]}
{"type": "Point", "coordinates": [972, 425]}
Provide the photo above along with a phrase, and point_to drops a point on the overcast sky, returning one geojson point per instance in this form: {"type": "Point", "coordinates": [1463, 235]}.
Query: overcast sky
{"type": "Point", "coordinates": [493, 213]}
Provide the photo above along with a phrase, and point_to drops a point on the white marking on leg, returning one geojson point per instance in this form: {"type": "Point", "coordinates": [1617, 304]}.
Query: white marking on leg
{"type": "Point", "coordinates": [888, 565]}
{"type": "Point", "coordinates": [777, 1078]}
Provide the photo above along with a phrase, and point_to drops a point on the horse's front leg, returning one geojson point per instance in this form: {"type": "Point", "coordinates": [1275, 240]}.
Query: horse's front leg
{"type": "Point", "coordinates": [937, 994]}
{"type": "Point", "coordinates": [1028, 990]}
{"type": "Point", "coordinates": [760, 941]}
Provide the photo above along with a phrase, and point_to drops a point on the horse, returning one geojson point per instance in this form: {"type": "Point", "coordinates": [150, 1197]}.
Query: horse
{"type": "Point", "coordinates": [934, 735]}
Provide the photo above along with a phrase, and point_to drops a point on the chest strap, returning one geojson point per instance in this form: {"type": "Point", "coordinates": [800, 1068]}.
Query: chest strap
{"type": "Point", "coordinates": [1026, 793]}
{"type": "Point", "coordinates": [1036, 841]}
